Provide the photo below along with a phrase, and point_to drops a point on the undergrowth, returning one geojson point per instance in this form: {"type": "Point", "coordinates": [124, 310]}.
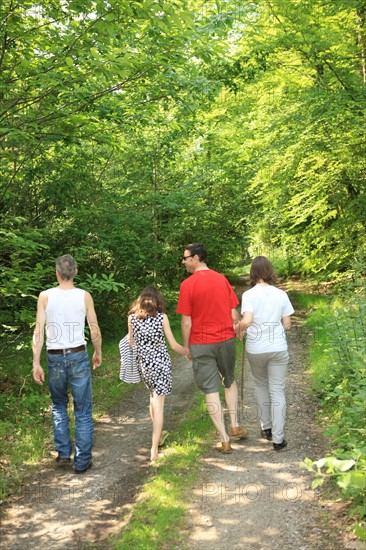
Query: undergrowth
{"type": "Point", "coordinates": [337, 365]}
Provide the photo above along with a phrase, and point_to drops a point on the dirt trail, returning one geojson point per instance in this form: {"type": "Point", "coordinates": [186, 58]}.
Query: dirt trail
{"type": "Point", "coordinates": [255, 499]}
{"type": "Point", "coordinates": [59, 509]}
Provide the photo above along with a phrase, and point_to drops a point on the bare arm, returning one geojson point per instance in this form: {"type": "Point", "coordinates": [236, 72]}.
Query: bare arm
{"type": "Point", "coordinates": [95, 334]}
{"type": "Point", "coordinates": [130, 332]}
{"type": "Point", "coordinates": [170, 337]}
{"type": "Point", "coordinates": [186, 326]}
{"type": "Point", "coordinates": [244, 323]}
{"type": "Point", "coordinates": [235, 315]}
{"type": "Point", "coordinates": [38, 338]}
{"type": "Point", "coordinates": [235, 318]}
{"type": "Point", "coordinates": [286, 321]}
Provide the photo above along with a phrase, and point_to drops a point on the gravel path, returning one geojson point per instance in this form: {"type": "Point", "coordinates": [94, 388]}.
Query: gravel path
{"type": "Point", "coordinates": [255, 499]}
{"type": "Point", "coordinates": [59, 509]}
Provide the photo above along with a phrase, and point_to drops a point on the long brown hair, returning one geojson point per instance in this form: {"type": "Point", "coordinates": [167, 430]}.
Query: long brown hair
{"type": "Point", "coordinates": [262, 268]}
{"type": "Point", "coordinates": [148, 304]}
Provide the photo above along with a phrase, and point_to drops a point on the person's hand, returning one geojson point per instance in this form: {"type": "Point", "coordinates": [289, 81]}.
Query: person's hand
{"type": "Point", "coordinates": [38, 374]}
{"type": "Point", "coordinates": [187, 354]}
{"type": "Point", "coordinates": [240, 330]}
{"type": "Point", "coordinates": [97, 360]}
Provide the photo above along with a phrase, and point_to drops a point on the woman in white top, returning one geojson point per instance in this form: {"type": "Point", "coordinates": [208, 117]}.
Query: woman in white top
{"type": "Point", "coordinates": [266, 314]}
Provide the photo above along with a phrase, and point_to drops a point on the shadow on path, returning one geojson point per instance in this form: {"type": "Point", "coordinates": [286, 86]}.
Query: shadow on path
{"type": "Point", "coordinates": [59, 509]}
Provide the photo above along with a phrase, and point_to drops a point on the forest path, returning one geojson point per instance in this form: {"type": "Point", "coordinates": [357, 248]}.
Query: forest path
{"type": "Point", "coordinates": [260, 499]}
{"type": "Point", "coordinates": [58, 509]}
{"type": "Point", "coordinates": [255, 498]}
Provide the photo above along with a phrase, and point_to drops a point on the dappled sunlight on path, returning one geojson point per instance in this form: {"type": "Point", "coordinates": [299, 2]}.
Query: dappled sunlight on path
{"type": "Point", "coordinates": [59, 509]}
{"type": "Point", "coordinates": [257, 498]}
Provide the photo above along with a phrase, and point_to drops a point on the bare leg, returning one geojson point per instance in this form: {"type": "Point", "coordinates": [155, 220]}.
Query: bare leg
{"type": "Point", "coordinates": [151, 407]}
{"type": "Point", "coordinates": [232, 401]}
{"type": "Point", "coordinates": [157, 416]}
{"type": "Point", "coordinates": [214, 409]}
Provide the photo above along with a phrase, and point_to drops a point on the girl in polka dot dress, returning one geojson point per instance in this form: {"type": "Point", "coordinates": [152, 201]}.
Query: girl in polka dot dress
{"type": "Point", "coordinates": [147, 326]}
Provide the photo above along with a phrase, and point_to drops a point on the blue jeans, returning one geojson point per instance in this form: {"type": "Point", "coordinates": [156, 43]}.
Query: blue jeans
{"type": "Point", "coordinates": [74, 370]}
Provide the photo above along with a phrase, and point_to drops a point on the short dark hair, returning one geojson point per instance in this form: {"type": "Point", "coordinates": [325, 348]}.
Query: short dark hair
{"type": "Point", "coordinates": [197, 249]}
{"type": "Point", "coordinates": [262, 268]}
{"type": "Point", "coordinates": [66, 267]}
{"type": "Point", "coordinates": [148, 304]}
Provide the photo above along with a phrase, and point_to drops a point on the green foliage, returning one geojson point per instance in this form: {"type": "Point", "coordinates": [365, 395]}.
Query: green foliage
{"type": "Point", "coordinates": [129, 129]}
{"type": "Point", "coordinates": [342, 382]}
{"type": "Point", "coordinates": [350, 476]}
{"type": "Point", "coordinates": [296, 79]}
{"type": "Point", "coordinates": [22, 266]}
{"type": "Point", "coordinates": [97, 103]}
{"type": "Point", "coordinates": [338, 366]}
{"type": "Point", "coordinates": [105, 284]}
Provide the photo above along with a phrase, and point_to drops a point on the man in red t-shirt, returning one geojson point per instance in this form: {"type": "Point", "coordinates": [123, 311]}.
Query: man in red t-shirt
{"type": "Point", "coordinates": [207, 304]}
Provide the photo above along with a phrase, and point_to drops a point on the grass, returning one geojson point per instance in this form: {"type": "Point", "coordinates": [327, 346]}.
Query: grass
{"type": "Point", "coordinates": [158, 518]}
{"type": "Point", "coordinates": [317, 307]}
{"type": "Point", "coordinates": [160, 512]}
{"type": "Point", "coordinates": [309, 301]}
{"type": "Point", "coordinates": [337, 366]}
{"type": "Point", "coordinates": [161, 509]}
{"type": "Point", "coordinates": [25, 423]}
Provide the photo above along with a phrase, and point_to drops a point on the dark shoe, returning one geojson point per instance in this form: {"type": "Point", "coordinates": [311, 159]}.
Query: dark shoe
{"type": "Point", "coordinates": [238, 433]}
{"type": "Point", "coordinates": [267, 434]}
{"type": "Point", "coordinates": [89, 465]}
{"type": "Point", "coordinates": [63, 460]}
{"type": "Point", "coordinates": [280, 446]}
{"type": "Point", "coordinates": [224, 447]}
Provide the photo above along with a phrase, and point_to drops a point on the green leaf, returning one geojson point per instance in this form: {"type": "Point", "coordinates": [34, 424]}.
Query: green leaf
{"type": "Point", "coordinates": [358, 480]}
{"type": "Point", "coordinates": [360, 531]}
{"type": "Point", "coordinates": [343, 465]}
{"type": "Point", "coordinates": [95, 53]}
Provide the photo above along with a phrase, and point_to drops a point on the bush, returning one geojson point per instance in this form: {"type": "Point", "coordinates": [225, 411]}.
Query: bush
{"type": "Point", "coordinates": [338, 367]}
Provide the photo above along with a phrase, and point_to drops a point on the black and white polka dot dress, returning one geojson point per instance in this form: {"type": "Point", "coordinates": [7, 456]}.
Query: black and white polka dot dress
{"type": "Point", "coordinates": [152, 353]}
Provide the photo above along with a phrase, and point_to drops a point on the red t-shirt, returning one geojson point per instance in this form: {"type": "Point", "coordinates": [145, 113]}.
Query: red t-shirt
{"type": "Point", "coordinates": [207, 297]}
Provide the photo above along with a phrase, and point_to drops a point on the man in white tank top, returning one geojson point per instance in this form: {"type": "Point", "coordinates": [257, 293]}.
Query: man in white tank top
{"type": "Point", "coordinates": [61, 312]}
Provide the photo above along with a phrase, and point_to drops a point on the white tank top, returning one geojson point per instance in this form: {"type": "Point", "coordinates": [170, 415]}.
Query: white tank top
{"type": "Point", "coordinates": [65, 318]}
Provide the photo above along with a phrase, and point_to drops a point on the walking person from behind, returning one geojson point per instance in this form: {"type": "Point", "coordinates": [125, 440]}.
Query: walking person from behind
{"type": "Point", "coordinates": [266, 313]}
{"type": "Point", "coordinates": [61, 312]}
{"type": "Point", "coordinates": [148, 326]}
{"type": "Point", "coordinates": [207, 304]}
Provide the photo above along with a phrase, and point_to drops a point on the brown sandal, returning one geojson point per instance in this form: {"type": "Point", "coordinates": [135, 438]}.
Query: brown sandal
{"type": "Point", "coordinates": [224, 447]}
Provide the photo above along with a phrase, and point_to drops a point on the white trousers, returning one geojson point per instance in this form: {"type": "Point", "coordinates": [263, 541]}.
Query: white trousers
{"type": "Point", "coordinates": [269, 372]}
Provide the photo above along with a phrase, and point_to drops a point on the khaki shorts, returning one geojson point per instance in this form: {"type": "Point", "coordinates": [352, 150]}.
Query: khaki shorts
{"type": "Point", "coordinates": [213, 365]}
